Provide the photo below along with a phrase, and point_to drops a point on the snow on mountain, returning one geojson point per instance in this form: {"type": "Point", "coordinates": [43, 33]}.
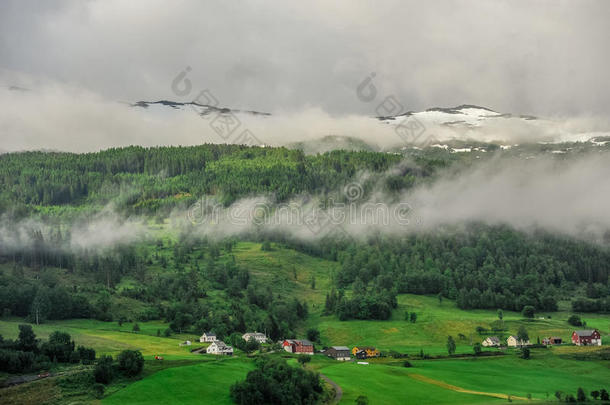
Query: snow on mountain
{"type": "Point", "coordinates": [439, 127]}
{"type": "Point", "coordinates": [464, 115]}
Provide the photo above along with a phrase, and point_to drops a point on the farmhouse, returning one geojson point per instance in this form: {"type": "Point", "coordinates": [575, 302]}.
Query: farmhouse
{"type": "Point", "coordinates": [219, 347]}
{"type": "Point", "coordinates": [298, 346]}
{"type": "Point", "coordinates": [492, 341]}
{"type": "Point", "coordinates": [553, 340]}
{"type": "Point", "coordinates": [513, 341]}
{"type": "Point", "coordinates": [589, 337]}
{"type": "Point", "coordinates": [364, 352]}
{"type": "Point", "coordinates": [208, 337]}
{"type": "Point", "coordinates": [259, 337]}
{"type": "Point", "coordinates": [338, 353]}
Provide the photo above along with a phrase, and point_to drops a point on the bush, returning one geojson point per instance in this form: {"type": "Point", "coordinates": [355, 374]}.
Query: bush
{"type": "Point", "coordinates": [275, 382]}
{"type": "Point", "coordinates": [74, 357]}
{"type": "Point", "coordinates": [136, 327]}
{"type": "Point", "coordinates": [407, 363]}
{"type": "Point", "coordinates": [580, 395]}
{"type": "Point", "coordinates": [362, 400]}
{"type": "Point", "coordinates": [304, 358]}
{"type": "Point", "coordinates": [525, 353]}
{"type": "Point", "coordinates": [131, 362]}
{"type": "Point", "coordinates": [16, 361]}
{"type": "Point", "coordinates": [528, 311]}
{"type": "Point", "coordinates": [98, 390]}
{"type": "Point", "coordinates": [477, 349]}
{"type": "Point", "coordinates": [103, 372]}
{"type": "Point", "coordinates": [86, 354]}
{"type": "Point", "coordinates": [313, 334]}
{"type": "Point", "coordinates": [575, 320]}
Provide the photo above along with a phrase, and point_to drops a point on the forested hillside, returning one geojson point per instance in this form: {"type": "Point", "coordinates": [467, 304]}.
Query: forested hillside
{"type": "Point", "coordinates": [145, 179]}
{"type": "Point", "coordinates": [195, 283]}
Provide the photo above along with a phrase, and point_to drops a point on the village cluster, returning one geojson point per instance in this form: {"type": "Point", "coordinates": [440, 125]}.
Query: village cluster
{"type": "Point", "coordinates": [590, 337]}
{"type": "Point", "coordinates": [297, 346]}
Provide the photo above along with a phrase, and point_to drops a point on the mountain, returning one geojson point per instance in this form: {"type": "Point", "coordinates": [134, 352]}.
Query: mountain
{"type": "Point", "coordinates": [463, 127]}
{"type": "Point", "coordinates": [466, 115]}
{"type": "Point", "coordinates": [201, 109]}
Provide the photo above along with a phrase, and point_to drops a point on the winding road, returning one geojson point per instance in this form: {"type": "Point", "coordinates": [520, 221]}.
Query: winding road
{"type": "Point", "coordinates": [338, 390]}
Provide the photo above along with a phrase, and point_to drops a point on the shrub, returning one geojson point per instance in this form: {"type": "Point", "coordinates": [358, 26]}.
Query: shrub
{"type": "Point", "coordinates": [525, 353]}
{"type": "Point", "coordinates": [98, 390]}
{"type": "Point", "coordinates": [580, 395]}
{"type": "Point", "coordinates": [477, 349]}
{"type": "Point", "coordinates": [304, 358]}
{"type": "Point", "coordinates": [275, 382]}
{"type": "Point", "coordinates": [131, 362]}
{"type": "Point", "coordinates": [528, 311]}
{"type": "Point", "coordinates": [407, 363]}
{"type": "Point", "coordinates": [362, 400]}
{"type": "Point", "coordinates": [86, 354]}
{"type": "Point", "coordinates": [16, 361]}
{"type": "Point", "coordinates": [313, 334]}
{"type": "Point", "coordinates": [103, 372]}
{"type": "Point", "coordinates": [575, 320]}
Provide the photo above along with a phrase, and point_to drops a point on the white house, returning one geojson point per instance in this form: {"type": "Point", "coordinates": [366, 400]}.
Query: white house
{"type": "Point", "coordinates": [492, 341]}
{"type": "Point", "coordinates": [207, 337]}
{"type": "Point", "coordinates": [259, 337]}
{"type": "Point", "coordinates": [513, 341]}
{"type": "Point", "coordinates": [219, 347]}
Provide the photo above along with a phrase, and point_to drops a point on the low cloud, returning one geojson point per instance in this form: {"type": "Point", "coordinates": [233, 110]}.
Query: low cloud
{"type": "Point", "coordinates": [568, 197]}
{"type": "Point", "coordinates": [59, 117]}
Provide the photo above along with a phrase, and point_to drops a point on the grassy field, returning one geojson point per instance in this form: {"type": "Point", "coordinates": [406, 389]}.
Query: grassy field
{"type": "Point", "coordinates": [189, 378]}
{"type": "Point", "coordinates": [110, 338]}
{"type": "Point", "coordinates": [436, 321]}
{"type": "Point", "coordinates": [539, 376]}
{"type": "Point", "coordinates": [207, 382]}
{"type": "Point", "coordinates": [383, 384]}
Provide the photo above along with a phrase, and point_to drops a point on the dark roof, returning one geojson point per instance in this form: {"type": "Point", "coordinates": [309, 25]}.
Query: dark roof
{"type": "Point", "coordinates": [221, 345]}
{"type": "Point", "coordinates": [585, 332]}
{"type": "Point", "coordinates": [303, 342]}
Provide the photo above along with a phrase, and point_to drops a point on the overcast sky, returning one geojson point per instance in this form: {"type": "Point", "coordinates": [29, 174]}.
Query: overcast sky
{"type": "Point", "coordinates": [538, 57]}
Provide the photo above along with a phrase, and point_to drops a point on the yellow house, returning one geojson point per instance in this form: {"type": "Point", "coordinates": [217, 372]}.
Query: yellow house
{"type": "Point", "coordinates": [364, 352]}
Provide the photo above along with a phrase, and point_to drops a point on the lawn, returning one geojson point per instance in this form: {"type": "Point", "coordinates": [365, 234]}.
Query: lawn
{"type": "Point", "coordinates": [383, 384]}
{"type": "Point", "coordinates": [539, 376]}
{"type": "Point", "coordinates": [436, 321]}
{"type": "Point", "coordinates": [207, 382]}
{"type": "Point", "coordinates": [109, 337]}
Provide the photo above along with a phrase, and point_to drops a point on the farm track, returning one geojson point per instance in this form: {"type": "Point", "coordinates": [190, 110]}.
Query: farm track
{"type": "Point", "coordinates": [338, 390]}
{"type": "Point", "coordinates": [444, 385]}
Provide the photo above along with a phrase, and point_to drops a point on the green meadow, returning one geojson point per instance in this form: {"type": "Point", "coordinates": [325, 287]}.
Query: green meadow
{"type": "Point", "coordinates": [207, 382]}
{"type": "Point", "coordinates": [110, 338]}
{"type": "Point", "coordinates": [187, 378]}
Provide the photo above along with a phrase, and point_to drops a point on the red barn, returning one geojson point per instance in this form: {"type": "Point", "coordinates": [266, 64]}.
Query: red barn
{"type": "Point", "coordinates": [586, 338]}
{"type": "Point", "coordinates": [298, 346]}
